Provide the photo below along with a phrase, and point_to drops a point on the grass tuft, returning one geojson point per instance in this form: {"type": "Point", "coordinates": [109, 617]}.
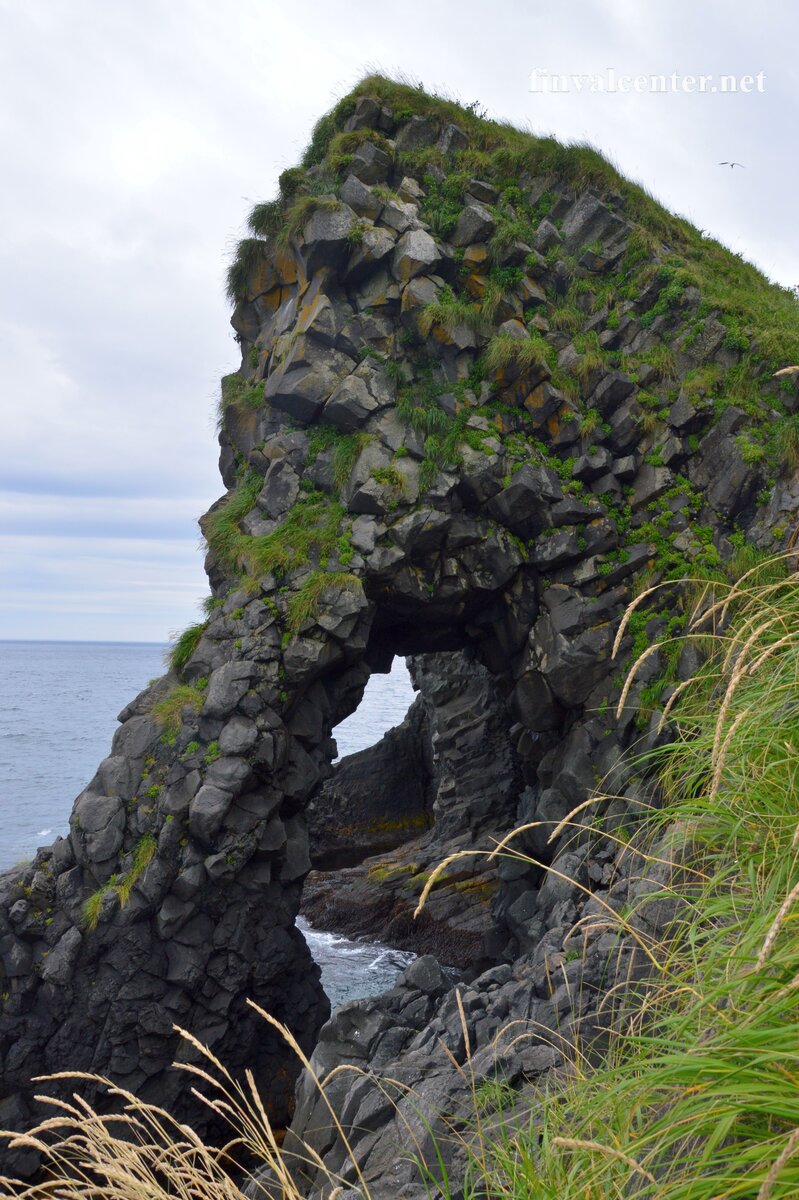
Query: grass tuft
{"type": "Point", "coordinates": [185, 645]}
{"type": "Point", "coordinates": [168, 712]}
{"type": "Point", "coordinates": [248, 254]}
{"type": "Point", "coordinates": [305, 603]}
{"type": "Point", "coordinates": [451, 311]}
{"type": "Point", "coordinates": [505, 350]}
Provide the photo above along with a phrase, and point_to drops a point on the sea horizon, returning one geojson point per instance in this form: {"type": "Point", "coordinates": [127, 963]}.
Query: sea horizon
{"type": "Point", "coordinates": [78, 642]}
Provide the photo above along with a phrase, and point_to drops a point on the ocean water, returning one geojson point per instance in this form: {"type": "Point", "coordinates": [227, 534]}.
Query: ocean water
{"type": "Point", "coordinates": [385, 702]}
{"type": "Point", "coordinates": [58, 707]}
{"type": "Point", "coordinates": [353, 969]}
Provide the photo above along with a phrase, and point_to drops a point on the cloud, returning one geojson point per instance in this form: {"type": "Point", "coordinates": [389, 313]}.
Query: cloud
{"type": "Point", "coordinates": [134, 138]}
{"type": "Point", "coordinates": [98, 589]}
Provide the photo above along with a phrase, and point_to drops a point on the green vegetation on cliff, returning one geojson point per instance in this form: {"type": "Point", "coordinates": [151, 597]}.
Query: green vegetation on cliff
{"type": "Point", "coordinates": [690, 280]}
{"type": "Point", "coordinates": [761, 316]}
{"type": "Point", "coordinates": [697, 1096]}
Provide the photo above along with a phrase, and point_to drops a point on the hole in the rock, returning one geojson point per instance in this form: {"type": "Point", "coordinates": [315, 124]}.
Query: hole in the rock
{"type": "Point", "coordinates": [444, 775]}
{"type": "Point", "coordinates": [379, 793]}
{"type": "Point", "coordinates": [385, 702]}
{"type": "Point", "coordinates": [359, 811]}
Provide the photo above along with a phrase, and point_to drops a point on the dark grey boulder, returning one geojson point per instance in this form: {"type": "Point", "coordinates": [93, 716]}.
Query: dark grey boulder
{"type": "Point", "coordinates": [416, 134]}
{"type": "Point", "coordinates": [373, 248]}
{"type": "Point", "coordinates": [475, 224]}
{"type": "Point", "coordinates": [590, 466]}
{"type": "Point", "coordinates": [280, 490]}
{"type": "Point", "coordinates": [60, 962]}
{"type": "Point", "coordinates": [351, 404]}
{"type": "Point", "coordinates": [613, 390]}
{"type": "Point", "coordinates": [360, 198]}
{"type": "Point", "coordinates": [326, 237]}
{"type": "Point", "coordinates": [546, 236]}
{"type": "Point", "coordinates": [720, 468]}
{"type": "Point", "coordinates": [97, 826]}
{"type": "Point", "coordinates": [416, 253]}
{"type": "Point", "coordinates": [370, 163]}
{"type": "Point", "coordinates": [650, 483]}
{"type": "Point", "coordinates": [238, 736]}
{"type": "Point", "coordinates": [590, 220]}
{"type": "Point", "coordinates": [207, 811]}
{"type": "Point", "coordinates": [226, 687]}
{"type": "Point", "coordinates": [522, 505]}
{"type": "Point", "coordinates": [452, 138]}
{"type": "Point", "coordinates": [366, 114]}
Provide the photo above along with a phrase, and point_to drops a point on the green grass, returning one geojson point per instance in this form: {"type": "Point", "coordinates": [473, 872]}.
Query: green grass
{"type": "Point", "coordinates": [168, 711]}
{"type": "Point", "coordinates": [389, 477]}
{"type": "Point", "coordinates": [663, 360]}
{"type": "Point", "coordinates": [589, 423]}
{"type": "Point", "coordinates": [222, 531]}
{"type": "Point", "coordinates": [508, 231]}
{"type": "Point", "coordinates": [566, 317]}
{"type": "Point", "coordinates": [451, 311]}
{"type": "Point", "coordinates": [417, 403]}
{"type": "Point", "coordinates": [249, 254]}
{"type": "Point", "coordinates": [185, 645]}
{"type": "Point", "coordinates": [265, 218]}
{"type": "Point", "coordinates": [698, 1096]}
{"type": "Point", "coordinates": [347, 449]}
{"type": "Point", "coordinates": [296, 217]}
{"type": "Point", "coordinates": [93, 906]}
{"type": "Point", "coordinates": [343, 145]}
{"type": "Point", "coordinates": [784, 445]}
{"type": "Point", "coordinates": [143, 854]}
{"type": "Point", "coordinates": [305, 602]}
{"type": "Point", "coordinates": [493, 1094]}
{"type": "Point", "coordinates": [592, 356]}
{"type": "Point", "coordinates": [236, 390]}
{"type": "Point", "coordinates": [312, 527]}
{"type": "Point", "coordinates": [505, 350]}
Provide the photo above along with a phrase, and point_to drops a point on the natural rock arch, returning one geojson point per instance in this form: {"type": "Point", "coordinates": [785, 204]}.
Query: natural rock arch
{"type": "Point", "coordinates": [207, 921]}
{"type": "Point", "coordinates": [407, 472]}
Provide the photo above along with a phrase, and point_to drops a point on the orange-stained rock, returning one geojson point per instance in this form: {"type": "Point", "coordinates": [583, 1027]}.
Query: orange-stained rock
{"type": "Point", "coordinates": [476, 285]}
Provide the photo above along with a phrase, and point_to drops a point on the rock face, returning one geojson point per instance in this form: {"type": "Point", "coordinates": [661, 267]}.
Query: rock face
{"type": "Point", "coordinates": [438, 441]}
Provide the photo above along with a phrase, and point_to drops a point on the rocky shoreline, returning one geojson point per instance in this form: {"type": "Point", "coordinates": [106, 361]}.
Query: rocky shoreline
{"type": "Point", "coordinates": [486, 400]}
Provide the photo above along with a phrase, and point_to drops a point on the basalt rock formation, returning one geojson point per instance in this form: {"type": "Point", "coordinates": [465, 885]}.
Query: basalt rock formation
{"type": "Point", "coordinates": [376, 799]}
{"type": "Point", "coordinates": [488, 389]}
{"type": "Point", "coordinates": [470, 783]}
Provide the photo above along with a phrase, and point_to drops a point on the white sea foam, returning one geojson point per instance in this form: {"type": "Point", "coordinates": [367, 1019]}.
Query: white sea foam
{"type": "Point", "coordinates": [353, 969]}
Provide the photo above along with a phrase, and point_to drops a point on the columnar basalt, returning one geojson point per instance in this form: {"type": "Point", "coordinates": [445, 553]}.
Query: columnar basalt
{"type": "Point", "coordinates": [486, 392]}
{"type": "Point", "coordinates": [470, 783]}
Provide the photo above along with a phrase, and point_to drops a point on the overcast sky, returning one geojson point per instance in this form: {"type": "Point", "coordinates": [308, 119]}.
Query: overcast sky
{"type": "Point", "coordinates": [134, 138]}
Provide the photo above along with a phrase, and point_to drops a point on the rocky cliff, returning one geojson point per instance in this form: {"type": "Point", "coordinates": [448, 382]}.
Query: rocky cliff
{"type": "Point", "coordinates": [469, 778]}
{"type": "Point", "coordinates": [489, 390]}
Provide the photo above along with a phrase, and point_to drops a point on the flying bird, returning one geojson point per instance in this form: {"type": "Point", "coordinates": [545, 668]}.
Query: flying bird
{"type": "Point", "coordinates": [730, 164]}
